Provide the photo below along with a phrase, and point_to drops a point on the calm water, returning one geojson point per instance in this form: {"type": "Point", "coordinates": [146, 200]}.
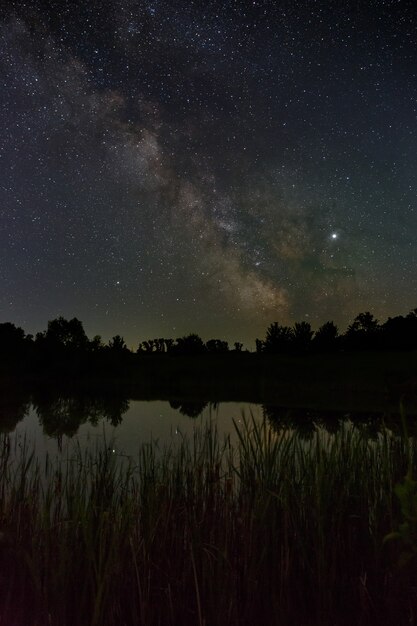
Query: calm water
{"type": "Point", "coordinates": [142, 422]}
{"type": "Point", "coordinates": [56, 423]}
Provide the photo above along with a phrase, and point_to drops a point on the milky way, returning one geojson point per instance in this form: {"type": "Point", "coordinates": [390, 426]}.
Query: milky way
{"type": "Point", "coordinates": [207, 167]}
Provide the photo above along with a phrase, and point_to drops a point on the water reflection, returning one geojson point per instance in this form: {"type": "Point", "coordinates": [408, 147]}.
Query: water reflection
{"type": "Point", "coordinates": [62, 414]}
{"type": "Point", "coordinates": [190, 409]}
{"type": "Point", "coordinates": [14, 406]}
{"type": "Point", "coordinates": [307, 421]}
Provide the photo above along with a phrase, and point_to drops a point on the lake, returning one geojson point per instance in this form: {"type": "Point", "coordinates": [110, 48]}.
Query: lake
{"type": "Point", "coordinates": [55, 423]}
{"type": "Point", "coordinates": [142, 423]}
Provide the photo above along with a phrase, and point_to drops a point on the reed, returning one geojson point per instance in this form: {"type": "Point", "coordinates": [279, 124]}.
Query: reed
{"type": "Point", "coordinates": [270, 530]}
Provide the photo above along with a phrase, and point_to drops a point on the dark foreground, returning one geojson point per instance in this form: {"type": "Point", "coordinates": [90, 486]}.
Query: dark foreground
{"type": "Point", "coordinates": [274, 531]}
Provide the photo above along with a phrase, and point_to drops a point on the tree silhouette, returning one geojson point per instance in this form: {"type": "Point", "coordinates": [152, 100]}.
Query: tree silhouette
{"type": "Point", "coordinates": [363, 332]}
{"type": "Point", "coordinates": [10, 336]}
{"type": "Point", "coordinates": [217, 345]}
{"type": "Point", "coordinates": [259, 345]}
{"type": "Point", "coordinates": [145, 347]}
{"type": "Point", "coordinates": [14, 346]}
{"type": "Point", "coordinates": [117, 344]}
{"type": "Point", "coordinates": [301, 336]}
{"type": "Point", "coordinates": [64, 352]}
{"type": "Point", "coordinates": [326, 337]}
{"type": "Point", "coordinates": [67, 334]}
{"type": "Point", "coordinates": [400, 332]}
{"type": "Point", "coordinates": [278, 339]}
{"type": "Point", "coordinates": [96, 344]}
{"type": "Point", "coordinates": [158, 346]}
{"type": "Point", "coordinates": [412, 328]}
{"type": "Point", "coordinates": [189, 345]}
{"type": "Point", "coordinates": [364, 322]}
{"type": "Point", "coordinates": [169, 343]}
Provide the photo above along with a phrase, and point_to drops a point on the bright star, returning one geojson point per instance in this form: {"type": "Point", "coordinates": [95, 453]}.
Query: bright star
{"type": "Point", "coordinates": [334, 235]}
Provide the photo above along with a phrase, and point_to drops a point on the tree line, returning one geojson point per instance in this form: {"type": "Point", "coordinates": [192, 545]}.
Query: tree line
{"type": "Point", "coordinates": [66, 340]}
{"type": "Point", "coordinates": [365, 333]}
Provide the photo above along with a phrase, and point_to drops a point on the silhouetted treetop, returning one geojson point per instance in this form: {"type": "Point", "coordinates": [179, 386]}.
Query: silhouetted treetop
{"type": "Point", "coordinates": [278, 339]}
{"type": "Point", "coordinates": [217, 345]}
{"type": "Point", "coordinates": [65, 333]}
{"type": "Point", "coordinates": [118, 344]}
{"type": "Point", "coordinates": [12, 339]}
{"type": "Point", "coordinates": [159, 346]}
{"type": "Point", "coordinates": [302, 334]}
{"type": "Point", "coordinates": [10, 335]}
{"type": "Point", "coordinates": [189, 345]}
{"type": "Point", "coordinates": [365, 323]}
{"type": "Point", "coordinates": [363, 332]}
{"type": "Point", "coordinates": [325, 338]}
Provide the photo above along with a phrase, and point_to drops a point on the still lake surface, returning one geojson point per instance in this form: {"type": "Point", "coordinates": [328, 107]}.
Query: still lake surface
{"type": "Point", "coordinates": [55, 424]}
{"type": "Point", "coordinates": [143, 422]}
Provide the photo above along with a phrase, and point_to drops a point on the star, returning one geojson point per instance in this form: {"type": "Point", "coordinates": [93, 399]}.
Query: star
{"type": "Point", "coordinates": [206, 159]}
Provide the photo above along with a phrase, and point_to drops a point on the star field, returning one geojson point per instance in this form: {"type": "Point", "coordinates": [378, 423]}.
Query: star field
{"type": "Point", "coordinates": [207, 167]}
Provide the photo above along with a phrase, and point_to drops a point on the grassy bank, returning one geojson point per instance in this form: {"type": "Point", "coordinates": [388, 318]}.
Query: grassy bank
{"type": "Point", "coordinates": [272, 531]}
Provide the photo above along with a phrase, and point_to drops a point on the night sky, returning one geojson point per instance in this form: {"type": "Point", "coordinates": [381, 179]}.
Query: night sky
{"type": "Point", "coordinates": [210, 167]}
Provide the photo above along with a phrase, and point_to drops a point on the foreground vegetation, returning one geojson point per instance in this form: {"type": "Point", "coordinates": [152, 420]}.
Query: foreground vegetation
{"type": "Point", "coordinates": [274, 530]}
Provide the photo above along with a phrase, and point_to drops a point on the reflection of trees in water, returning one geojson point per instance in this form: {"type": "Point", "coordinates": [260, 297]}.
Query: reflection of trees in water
{"type": "Point", "coordinates": [281, 418]}
{"type": "Point", "coordinates": [14, 406]}
{"type": "Point", "coordinates": [191, 409]}
{"type": "Point", "coordinates": [306, 422]}
{"type": "Point", "coordinates": [63, 415]}
{"type": "Point", "coordinates": [112, 408]}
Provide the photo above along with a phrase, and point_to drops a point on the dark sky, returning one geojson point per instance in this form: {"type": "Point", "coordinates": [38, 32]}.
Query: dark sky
{"type": "Point", "coordinates": [210, 167]}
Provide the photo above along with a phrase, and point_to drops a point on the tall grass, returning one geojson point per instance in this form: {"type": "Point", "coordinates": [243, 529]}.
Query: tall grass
{"type": "Point", "coordinates": [271, 530]}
